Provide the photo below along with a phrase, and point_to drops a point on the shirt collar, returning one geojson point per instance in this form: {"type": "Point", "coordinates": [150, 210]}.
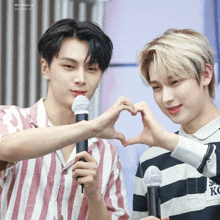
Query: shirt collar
{"type": "Point", "coordinates": [205, 131]}
{"type": "Point", "coordinates": [40, 118]}
{"type": "Point", "coordinates": [38, 114]}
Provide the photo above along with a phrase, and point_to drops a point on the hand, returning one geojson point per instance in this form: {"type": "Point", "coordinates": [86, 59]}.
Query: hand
{"type": "Point", "coordinates": [105, 122]}
{"type": "Point", "coordinates": [153, 133]}
{"type": "Point", "coordinates": [154, 218]}
{"type": "Point", "coordinates": [88, 172]}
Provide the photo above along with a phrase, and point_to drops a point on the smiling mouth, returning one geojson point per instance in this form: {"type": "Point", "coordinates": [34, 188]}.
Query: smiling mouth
{"type": "Point", "coordinates": [175, 109]}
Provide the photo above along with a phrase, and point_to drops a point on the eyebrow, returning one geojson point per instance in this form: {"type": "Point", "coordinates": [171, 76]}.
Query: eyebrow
{"type": "Point", "coordinates": [69, 59]}
{"type": "Point", "coordinates": [156, 82]}
{"type": "Point", "coordinates": [153, 82]}
{"type": "Point", "coordinates": [75, 61]}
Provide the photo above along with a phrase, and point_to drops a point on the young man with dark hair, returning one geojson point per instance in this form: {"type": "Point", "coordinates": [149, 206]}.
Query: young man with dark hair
{"type": "Point", "coordinates": [179, 66]}
{"type": "Point", "coordinates": [40, 167]}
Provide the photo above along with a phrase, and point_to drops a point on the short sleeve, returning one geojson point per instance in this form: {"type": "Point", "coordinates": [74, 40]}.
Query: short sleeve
{"type": "Point", "coordinates": [10, 121]}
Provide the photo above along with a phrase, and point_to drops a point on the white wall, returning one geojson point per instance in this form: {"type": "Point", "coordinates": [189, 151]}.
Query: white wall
{"type": "Point", "coordinates": [131, 24]}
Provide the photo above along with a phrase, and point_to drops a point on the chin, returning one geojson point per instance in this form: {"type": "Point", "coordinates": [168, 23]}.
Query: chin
{"type": "Point", "coordinates": [177, 120]}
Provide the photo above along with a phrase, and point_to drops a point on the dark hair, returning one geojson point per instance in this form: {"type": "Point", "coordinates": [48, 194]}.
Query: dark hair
{"type": "Point", "coordinates": [100, 45]}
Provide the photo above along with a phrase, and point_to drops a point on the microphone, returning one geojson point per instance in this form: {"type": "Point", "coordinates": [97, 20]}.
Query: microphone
{"type": "Point", "coordinates": [80, 107]}
{"type": "Point", "coordinates": [153, 179]}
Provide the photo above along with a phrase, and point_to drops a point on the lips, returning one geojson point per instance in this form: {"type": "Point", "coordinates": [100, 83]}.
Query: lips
{"type": "Point", "coordinates": [78, 92]}
{"type": "Point", "coordinates": [174, 109]}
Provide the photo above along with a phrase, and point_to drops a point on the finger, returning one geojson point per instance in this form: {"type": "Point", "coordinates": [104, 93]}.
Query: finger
{"type": "Point", "coordinates": [134, 140]}
{"type": "Point", "coordinates": [79, 173]}
{"type": "Point", "coordinates": [85, 166]}
{"type": "Point", "coordinates": [131, 109]}
{"type": "Point", "coordinates": [126, 102]}
{"type": "Point", "coordinates": [119, 136]}
{"type": "Point", "coordinates": [85, 155]}
{"type": "Point", "coordinates": [140, 106]}
{"type": "Point", "coordinates": [122, 100]}
{"type": "Point", "coordinates": [143, 108]}
{"type": "Point", "coordinates": [84, 180]}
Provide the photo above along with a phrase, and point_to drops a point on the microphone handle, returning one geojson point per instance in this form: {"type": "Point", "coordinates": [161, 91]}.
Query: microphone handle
{"type": "Point", "coordinates": [81, 117]}
{"type": "Point", "coordinates": [153, 200]}
{"type": "Point", "coordinates": [82, 145]}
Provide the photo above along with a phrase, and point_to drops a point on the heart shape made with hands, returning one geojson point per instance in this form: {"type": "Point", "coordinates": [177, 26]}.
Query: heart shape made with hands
{"type": "Point", "coordinates": [130, 126]}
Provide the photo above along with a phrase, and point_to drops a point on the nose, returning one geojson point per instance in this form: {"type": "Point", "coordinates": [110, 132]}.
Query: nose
{"type": "Point", "coordinates": [168, 94]}
{"type": "Point", "coordinates": [80, 76]}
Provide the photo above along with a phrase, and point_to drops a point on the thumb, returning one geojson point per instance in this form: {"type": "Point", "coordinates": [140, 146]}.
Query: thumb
{"type": "Point", "coordinates": [120, 137]}
{"type": "Point", "coordinates": [131, 141]}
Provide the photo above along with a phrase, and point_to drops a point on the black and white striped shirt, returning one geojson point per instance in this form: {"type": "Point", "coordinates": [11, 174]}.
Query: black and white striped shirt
{"type": "Point", "coordinates": [190, 177]}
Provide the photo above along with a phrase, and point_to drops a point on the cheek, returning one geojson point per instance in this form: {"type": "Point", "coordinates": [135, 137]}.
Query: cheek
{"type": "Point", "coordinates": [158, 99]}
{"type": "Point", "coordinates": [193, 94]}
{"type": "Point", "coordinates": [94, 81]}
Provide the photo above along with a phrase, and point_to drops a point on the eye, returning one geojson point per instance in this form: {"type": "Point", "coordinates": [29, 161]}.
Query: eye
{"type": "Point", "coordinates": [68, 67]}
{"type": "Point", "coordinates": [175, 82]}
{"type": "Point", "coordinates": [92, 69]}
{"type": "Point", "coordinates": [155, 88]}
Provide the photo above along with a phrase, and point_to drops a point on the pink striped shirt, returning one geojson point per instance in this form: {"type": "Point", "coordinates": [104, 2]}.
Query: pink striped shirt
{"type": "Point", "coordinates": [43, 188]}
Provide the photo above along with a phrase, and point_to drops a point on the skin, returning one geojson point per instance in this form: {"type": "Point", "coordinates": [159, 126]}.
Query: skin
{"type": "Point", "coordinates": [195, 109]}
{"type": "Point", "coordinates": [154, 218]}
{"type": "Point", "coordinates": [69, 72]}
{"type": "Point", "coordinates": [196, 106]}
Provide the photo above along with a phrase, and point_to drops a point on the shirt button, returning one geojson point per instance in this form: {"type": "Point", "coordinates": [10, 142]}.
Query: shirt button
{"type": "Point", "coordinates": [65, 172]}
{"type": "Point", "coordinates": [61, 217]}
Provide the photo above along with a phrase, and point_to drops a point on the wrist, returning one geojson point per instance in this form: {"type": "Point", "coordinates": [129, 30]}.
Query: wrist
{"type": "Point", "coordinates": [90, 127]}
{"type": "Point", "coordinates": [95, 127]}
{"type": "Point", "coordinates": [170, 141]}
{"type": "Point", "coordinates": [95, 197]}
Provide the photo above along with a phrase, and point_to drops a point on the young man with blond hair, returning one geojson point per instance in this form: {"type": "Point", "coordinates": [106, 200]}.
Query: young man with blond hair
{"type": "Point", "coordinates": [179, 66]}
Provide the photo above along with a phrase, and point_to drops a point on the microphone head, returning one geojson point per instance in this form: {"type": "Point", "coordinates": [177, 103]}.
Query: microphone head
{"type": "Point", "coordinates": [81, 105]}
{"type": "Point", "coordinates": [153, 176]}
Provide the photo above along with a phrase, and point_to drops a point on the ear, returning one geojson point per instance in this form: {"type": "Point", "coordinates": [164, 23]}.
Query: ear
{"type": "Point", "coordinates": [45, 69]}
{"type": "Point", "coordinates": [207, 75]}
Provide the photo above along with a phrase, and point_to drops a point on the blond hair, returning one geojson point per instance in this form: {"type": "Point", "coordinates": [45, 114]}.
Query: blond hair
{"type": "Point", "coordinates": [183, 53]}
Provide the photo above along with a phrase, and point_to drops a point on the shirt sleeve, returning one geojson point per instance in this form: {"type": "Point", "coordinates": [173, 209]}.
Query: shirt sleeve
{"type": "Point", "coordinates": [9, 123]}
{"type": "Point", "coordinates": [205, 158]}
{"type": "Point", "coordinates": [115, 196]}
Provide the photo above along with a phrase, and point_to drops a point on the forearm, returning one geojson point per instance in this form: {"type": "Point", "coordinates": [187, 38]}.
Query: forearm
{"type": "Point", "coordinates": [97, 209]}
{"type": "Point", "coordinates": [37, 142]}
{"type": "Point", "coordinates": [169, 141]}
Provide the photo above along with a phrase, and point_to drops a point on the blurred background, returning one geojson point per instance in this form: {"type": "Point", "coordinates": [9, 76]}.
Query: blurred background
{"type": "Point", "coordinates": [130, 24]}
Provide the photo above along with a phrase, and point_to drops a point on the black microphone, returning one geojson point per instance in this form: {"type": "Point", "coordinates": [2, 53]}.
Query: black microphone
{"type": "Point", "coordinates": [80, 107]}
{"type": "Point", "coordinates": [153, 179]}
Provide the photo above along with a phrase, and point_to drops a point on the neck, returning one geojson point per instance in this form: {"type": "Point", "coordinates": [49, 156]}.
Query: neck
{"type": "Point", "coordinates": [207, 114]}
{"type": "Point", "coordinates": [59, 115]}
